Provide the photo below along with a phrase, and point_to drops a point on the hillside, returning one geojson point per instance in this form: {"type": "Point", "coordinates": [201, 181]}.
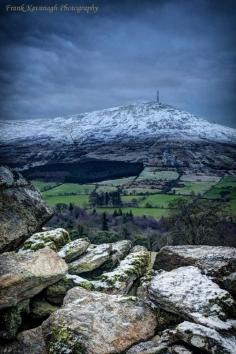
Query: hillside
{"type": "Point", "coordinates": [151, 133]}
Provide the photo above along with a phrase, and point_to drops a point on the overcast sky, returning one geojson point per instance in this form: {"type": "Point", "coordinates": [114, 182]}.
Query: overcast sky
{"type": "Point", "coordinates": [62, 63]}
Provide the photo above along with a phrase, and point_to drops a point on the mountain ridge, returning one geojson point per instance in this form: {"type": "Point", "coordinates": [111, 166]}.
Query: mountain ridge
{"type": "Point", "coordinates": [150, 133]}
{"type": "Point", "coordinates": [149, 119]}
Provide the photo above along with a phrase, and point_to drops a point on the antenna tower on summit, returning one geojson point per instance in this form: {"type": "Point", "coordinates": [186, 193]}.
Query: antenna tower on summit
{"type": "Point", "coordinates": [158, 97]}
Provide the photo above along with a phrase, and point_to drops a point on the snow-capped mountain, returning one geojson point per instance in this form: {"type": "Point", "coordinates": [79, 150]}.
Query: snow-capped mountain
{"type": "Point", "coordinates": [150, 133]}
{"type": "Point", "coordinates": [133, 121]}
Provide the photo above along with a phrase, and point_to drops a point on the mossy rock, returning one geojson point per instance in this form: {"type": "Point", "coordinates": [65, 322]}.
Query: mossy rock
{"type": "Point", "coordinates": [54, 239]}
{"type": "Point", "coordinates": [41, 309]}
{"type": "Point", "coordinates": [11, 319]}
{"type": "Point", "coordinates": [60, 340]}
{"type": "Point", "coordinates": [55, 293]}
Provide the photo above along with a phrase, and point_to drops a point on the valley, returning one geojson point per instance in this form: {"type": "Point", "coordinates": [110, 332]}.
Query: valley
{"type": "Point", "coordinates": [148, 194]}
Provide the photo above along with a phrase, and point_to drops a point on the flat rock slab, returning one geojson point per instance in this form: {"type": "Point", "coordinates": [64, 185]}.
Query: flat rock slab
{"type": "Point", "coordinates": [93, 322]}
{"type": "Point", "coordinates": [24, 275]}
{"type": "Point", "coordinates": [206, 339]}
{"type": "Point", "coordinates": [119, 250]}
{"type": "Point", "coordinates": [55, 293]}
{"type": "Point", "coordinates": [54, 239]}
{"type": "Point", "coordinates": [22, 209]}
{"type": "Point", "coordinates": [214, 260]}
{"type": "Point", "coordinates": [121, 279]}
{"type": "Point", "coordinates": [27, 342]}
{"type": "Point", "coordinates": [74, 249]}
{"type": "Point", "coordinates": [91, 260]}
{"type": "Point", "coordinates": [192, 295]}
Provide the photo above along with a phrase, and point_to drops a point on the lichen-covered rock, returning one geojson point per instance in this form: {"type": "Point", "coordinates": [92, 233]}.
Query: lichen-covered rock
{"type": "Point", "coordinates": [55, 293]}
{"type": "Point", "coordinates": [144, 283]}
{"type": "Point", "coordinates": [91, 260]}
{"type": "Point", "coordinates": [54, 239]}
{"type": "Point", "coordinates": [22, 209]}
{"type": "Point", "coordinates": [24, 275]}
{"type": "Point", "coordinates": [168, 343]}
{"type": "Point", "coordinates": [121, 279]}
{"type": "Point", "coordinates": [11, 319]}
{"type": "Point", "coordinates": [74, 249]}
{"type": "Point", "coordinates": [119, 250]}
{"type": "Point", "coordinates": [180, 349]}
{"type": "Point", "coordinates": [93, 322]}
{"type": "Point", "coordinates": [138, 248]}
{"type": "Point", "coordinates": [27, 342]}
{"type": "Point", "coordinates": [213, 260]}
{"type": "Point", "coordinates": [191, 295]}
{"type": "Point", "coordinates": [41, 309]}
{"type": "Point", "coordinates": [206, 339]}
{"type": "Point", "coordinates": [152, 346]}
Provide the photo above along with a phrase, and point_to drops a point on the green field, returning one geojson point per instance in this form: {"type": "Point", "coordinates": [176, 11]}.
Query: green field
{"type": "Point", "coordinates": [160, 200]}
{"type": "Point", "coordinates": [151, 173]}
{"type": "Point", "coordinates": [69, 189]}
{"type": "Point", "coordinates": [79, 200]}
{"type": "Point", "coordinates": [225, 188]}
{"type": "Point", "coordinates": [199, 178]}
{"type": "Point", "coordinates": [194, 187]}
{"type": "Point", "coordinates": [104, 189]}
{"type": "Point", "coordinates": [42, 186]}
{"type": "Point", "coordinates": [146, 201]}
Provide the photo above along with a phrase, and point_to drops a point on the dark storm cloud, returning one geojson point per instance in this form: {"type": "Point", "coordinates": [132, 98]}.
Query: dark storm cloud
{"type": "Point", "coordinates": [65, 63]}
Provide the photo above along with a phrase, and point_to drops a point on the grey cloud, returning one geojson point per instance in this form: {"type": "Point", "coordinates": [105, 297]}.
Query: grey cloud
{"type": "Point", "coordinates": [63, 64]}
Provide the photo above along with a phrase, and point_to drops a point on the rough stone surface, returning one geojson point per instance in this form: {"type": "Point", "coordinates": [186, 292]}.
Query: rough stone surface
{"type": "Point", "coordinates": [22, 209]}
{"type": "Point", "coordinates": [119, 250]}
{"type": "Point", "coordinates": [27, 342]}
{"type": "Point", "coordinates": [214, 260]}
{"type": "Point", "coordinates": [191, 295]}
{"type": "Point", "coordinates": [11, 319]}
{"type": "Point", "coordinates": [24, 275]}
{"type": "Point", "coordinates": [152, 346]}
{"type": "Point", "coordinates": [41, 309]}
{"type": "Point", "coordinates": [229, 283]}
{"type": "Point", "coordinates": [144, 283]}
{"type": "Point", "coordinates": [74, 249]}
{"type": "Point", "coordinates": [167, 343]}
{"type": "Point", "coordinates": [93, 259]}
{"type": "Point", "coordinates": [55, 293]}
{"type": "Point", "coordinates": [206, 339]}
{"type": "Point", "coordinates": [54, 239]}
{"type": "Point", "coordinates": [93, 322]}
{"type": "Point", "coordinates": [138, 248]}
{"type": "Point", "coordinates": [121, 279]}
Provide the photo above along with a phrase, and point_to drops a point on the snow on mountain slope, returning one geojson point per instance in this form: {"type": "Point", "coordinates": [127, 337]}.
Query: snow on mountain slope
{"type": "Point", "coordinates": [132, 121]}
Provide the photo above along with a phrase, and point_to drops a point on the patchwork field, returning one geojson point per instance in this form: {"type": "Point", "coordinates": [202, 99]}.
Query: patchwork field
{"type": "Point", "coordinates": [70, 189]}
{"type": "Point", "coordinates": [225, 188]}
{"type": "Point", "coordinates": [188, 187]}
{"type": "Point", "coordinates": [143, 200]}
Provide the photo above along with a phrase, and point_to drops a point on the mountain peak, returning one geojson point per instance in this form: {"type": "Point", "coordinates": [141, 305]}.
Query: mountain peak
{"type": "Point", "coordinates": [133, 121]}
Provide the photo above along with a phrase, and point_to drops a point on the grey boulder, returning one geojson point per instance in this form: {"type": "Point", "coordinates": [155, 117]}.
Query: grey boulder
{"type": "Point", "coordinates": [74, 249]}
{"type": "Point", "coordinates": [24, 275]}
{"type": "Point", "coordinates": [188, 293]}
{"type": "Point", "coordinates": [27, 342]}
{"type": "Point", "coordinates": [91, 260]}
{"type": "Point", "coordinates": [206, 339]}
{"type": "Point", "coordinates": [93, 322]}
{"type": "Point", "coordinates": [54, 239]}
{"type": "Point", "coordinates": [22, 209]}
